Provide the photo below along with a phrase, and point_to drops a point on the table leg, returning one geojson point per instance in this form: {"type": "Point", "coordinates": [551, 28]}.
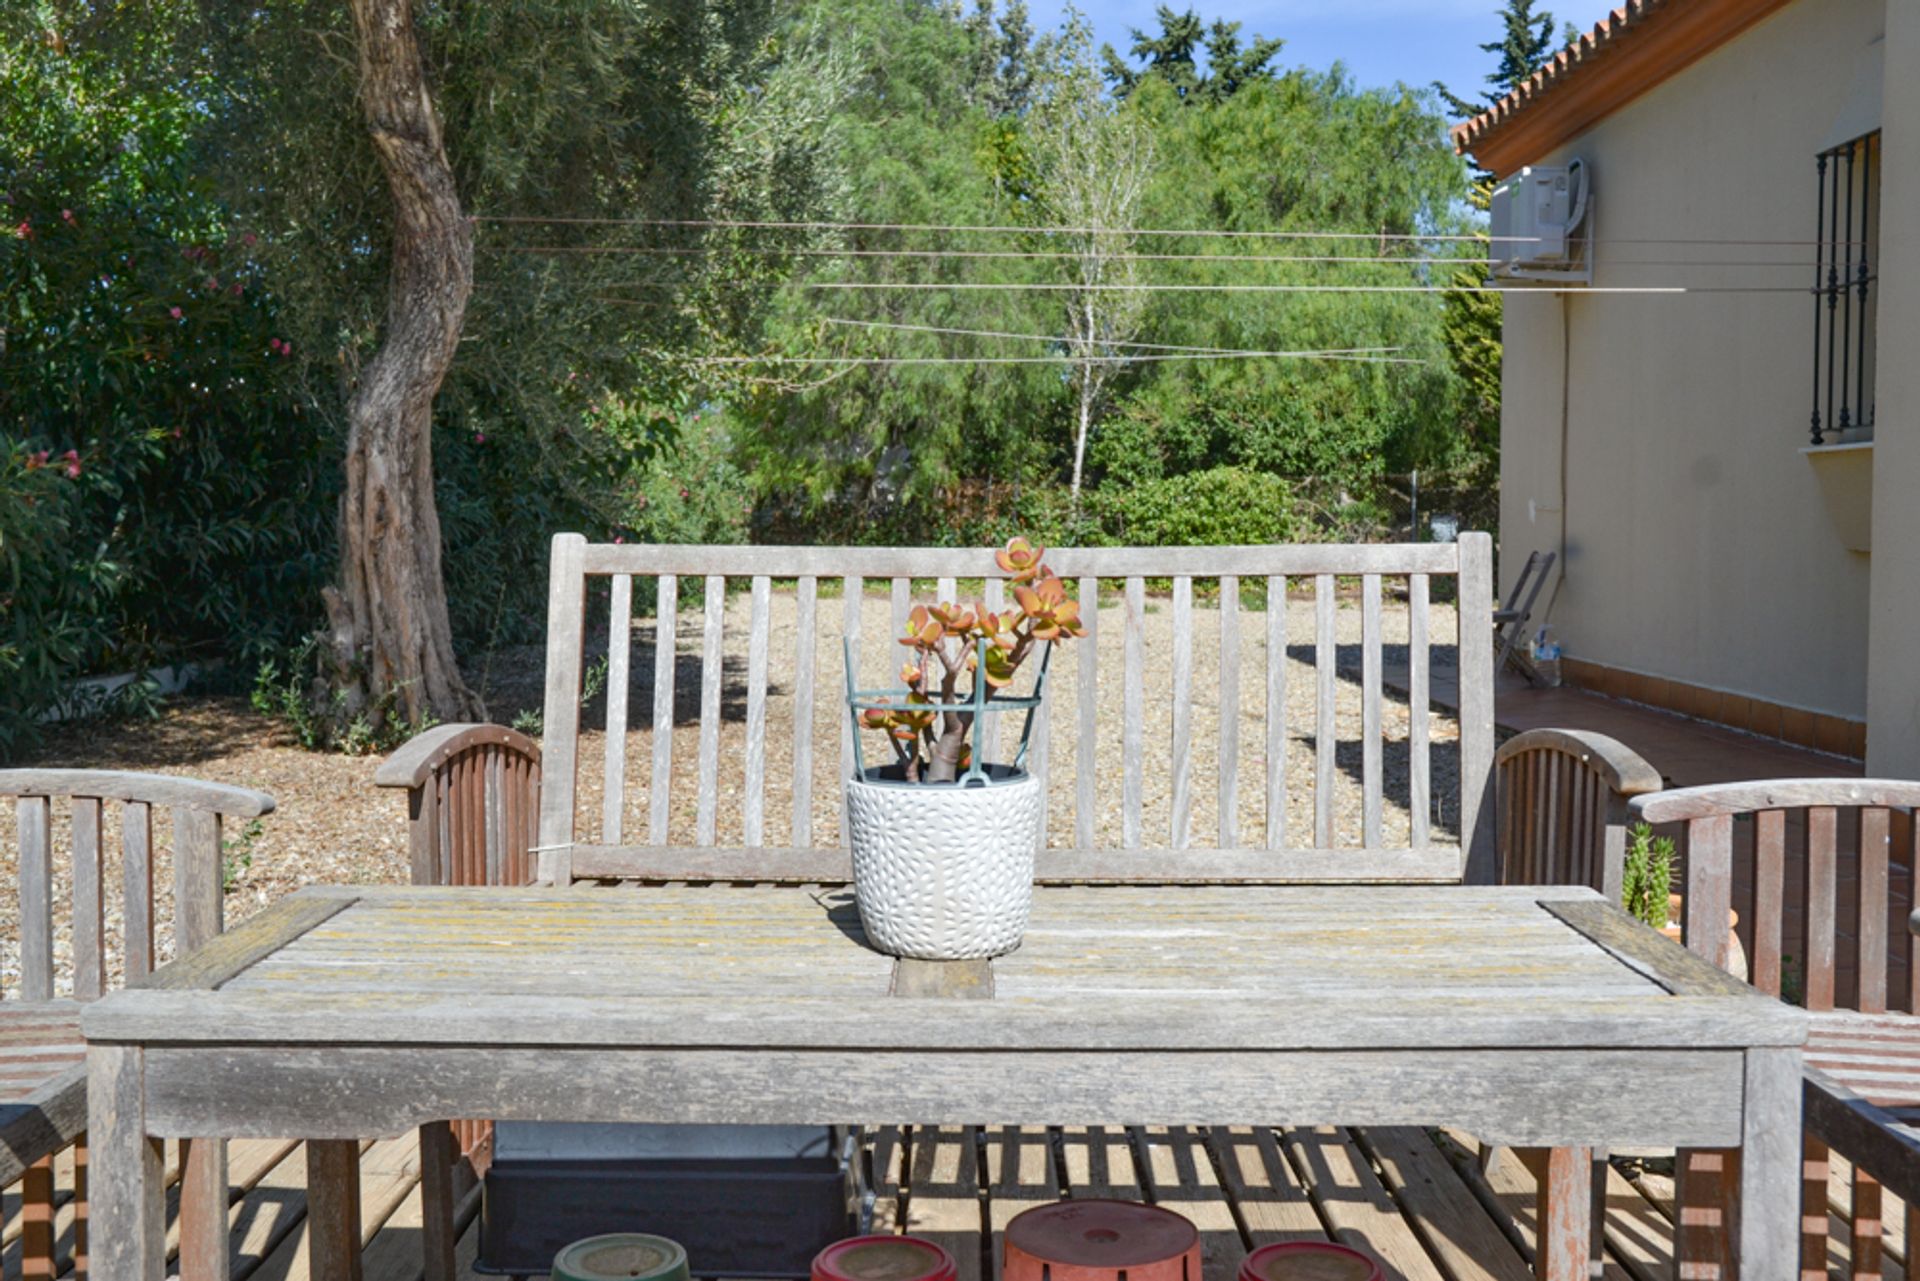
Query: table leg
{"type": "Point", "coordinates": [1769, 1216]}
{"type": "Point", "coordinates": [1566, 1216]}
{"type": "Point", "coordinates": [438, 1152]}
{"type": "Point", "coordinates": [333, 1209]}
{"type": "Point", "coordinates": [203, 1210]}
{"type": "Point", "coordinates": [129, 1241]}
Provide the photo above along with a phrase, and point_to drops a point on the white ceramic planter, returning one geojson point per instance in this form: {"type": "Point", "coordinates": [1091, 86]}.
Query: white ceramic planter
{"type": "Point", "coordinates": [943, 872]}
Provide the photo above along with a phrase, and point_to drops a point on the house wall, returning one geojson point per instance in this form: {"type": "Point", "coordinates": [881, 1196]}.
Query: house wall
{"type": "Point", "coordinates": [1893, 735]}
{"type": "Point", "coordinates": [1697, 547]}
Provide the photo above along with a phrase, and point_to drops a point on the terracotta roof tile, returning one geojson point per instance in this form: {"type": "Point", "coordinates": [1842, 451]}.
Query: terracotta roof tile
{"type": "Point", "coordinates": [1619, 31]}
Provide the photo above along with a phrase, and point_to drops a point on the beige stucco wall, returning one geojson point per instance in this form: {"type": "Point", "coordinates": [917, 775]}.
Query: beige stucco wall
{"type": "Point", "coordinates": [1697, 544]}
{"type": "Point", "coordinates": [1893, 729]}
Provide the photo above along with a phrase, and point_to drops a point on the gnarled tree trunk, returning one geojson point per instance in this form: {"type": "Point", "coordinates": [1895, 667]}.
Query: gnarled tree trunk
{"type": "Point", "coordinates": [391, 634]}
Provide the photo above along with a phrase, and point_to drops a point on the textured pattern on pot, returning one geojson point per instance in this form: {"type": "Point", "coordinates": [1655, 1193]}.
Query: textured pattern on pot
{"type": "Point", "coordinates": [944, 872]}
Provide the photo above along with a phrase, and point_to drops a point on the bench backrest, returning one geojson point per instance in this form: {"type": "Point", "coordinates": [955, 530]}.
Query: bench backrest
{"type": "Point", "coordinates": [1320, 713]}
{"type": "Point", "coordinates": [75, 865]}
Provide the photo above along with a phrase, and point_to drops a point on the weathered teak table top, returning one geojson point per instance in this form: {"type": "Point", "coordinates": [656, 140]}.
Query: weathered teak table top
{"type": "Point", "coordinates": [1528, 1016]}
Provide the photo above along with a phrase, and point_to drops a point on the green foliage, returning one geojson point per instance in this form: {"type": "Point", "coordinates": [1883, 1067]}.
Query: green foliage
{"type": "Point", "coordinates": [1526, 41]}
{"type": "Point", "coordinates": [140, 354]}
{"type": "Point", "coordinates": [285, 687]}
{"type": "Point", "coordinates": [237, 855]}
{"type": "Point", "coordinates": [1172, 56]}
{"type": "Point", "coordinates": [1648, 876]}
{"type": "Point", "coordinates": [1222, 505]}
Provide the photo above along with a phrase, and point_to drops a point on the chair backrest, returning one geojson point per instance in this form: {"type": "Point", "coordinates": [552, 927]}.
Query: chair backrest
{"type": "Point", "coordinates": [196, 810]}
{"type": "Point", "coordinates": [1124, 773]}
{"type": "Point", "coordinates": [1562, 806]}
{"type": "Point", "coordinates": [1844, 848]}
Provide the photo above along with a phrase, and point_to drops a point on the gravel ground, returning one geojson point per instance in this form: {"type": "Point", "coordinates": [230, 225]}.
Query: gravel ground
{"type": "Point", "coordinates": [333, 825]}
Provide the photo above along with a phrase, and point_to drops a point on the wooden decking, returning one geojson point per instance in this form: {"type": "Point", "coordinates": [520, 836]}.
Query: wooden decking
{"type": "Point", "coordinates": [1416, 1198]}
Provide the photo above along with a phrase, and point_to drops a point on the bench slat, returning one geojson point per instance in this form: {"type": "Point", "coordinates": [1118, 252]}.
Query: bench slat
{"type": "Point", "coordinates": [136, 875]}
{"type": "Point", "coordinates": [804, 659]}
{"type": "Point", "coordinates": [1087, 659]}
{"type": "Point", "coordinates": [754, 812]}
{"type": "Point", "coordinates": [1276, 712]}
{"type": "Point", "coordinates": [852, 589]}
{"type": "Point", "coordinates": [712, 659]}
{"type": "Point", "coordinates": [619, 655]}
{"type": "Point", "coordinates": [89, 902]}
{"type": "Point", "coordinates": [1182, 711]}
{"type": "Point", "coordinates": [1228, 802]}
{"type": "Point", "coordinates": [1324, 737]}
{"type": "Point", "coordinates": [1371, 762]}
{"type": "Point", "coordinates": [33, 826]}
{"type": "Point", "coordinates": [665, 660]}
{"type": "Point", "coordinates": [1419, 759]}
{"type": "Point", "coordinates": [1133, 713]}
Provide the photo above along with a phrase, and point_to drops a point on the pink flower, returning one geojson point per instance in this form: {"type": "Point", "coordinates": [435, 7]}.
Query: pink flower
{"type": "Point", "coordinates": [175, 312]}
{"type": "Point", "coordinates": [273, 345]}
{"type": "Point", "coordinates": [683, 493]}
{"type": "Point", "coordinates": [213, 286]}
{"type": "Point", "coordinates": [73, 464]}
{"type": "Point", "coordinates": [24, 230]}
{"type": "Point", "coordinates": [248, 239]}
{"type": "Point", "coordinates": [66, 216]}
{"type": "Point", "coordinates": [479, 438]}
{"type": "Point", "coordinates": [619, 538]}
{"type": "Point", "coordinates": [36, 460]}
{"type": "Point", "coordinates": [236, 288]}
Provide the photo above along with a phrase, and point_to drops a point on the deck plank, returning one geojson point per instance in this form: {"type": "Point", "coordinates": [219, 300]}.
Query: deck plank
{"type": "Point", "coordinates": [1020, 1175]}
{"type": "Point", "coordinates": [1355, 1204]}
{"type": "Point", "coordinates": [943, 1194]}
{"type": "Point", "coordinates": [1397, 1192]}
{"type": "Point", "coordinates": [1180, 1177]}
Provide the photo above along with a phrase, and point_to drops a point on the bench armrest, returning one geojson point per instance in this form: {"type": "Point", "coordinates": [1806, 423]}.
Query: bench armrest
{"type": "Point", "coordinates": [473, 803]}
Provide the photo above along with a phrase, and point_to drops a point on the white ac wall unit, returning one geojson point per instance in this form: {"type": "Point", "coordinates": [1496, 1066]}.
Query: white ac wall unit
{"type": "Point", "coordinates": [1542, 220]}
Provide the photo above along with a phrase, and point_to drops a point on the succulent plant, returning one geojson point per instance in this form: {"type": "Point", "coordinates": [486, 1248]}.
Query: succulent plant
{"type": "Point", "coordinates": [944, 643]}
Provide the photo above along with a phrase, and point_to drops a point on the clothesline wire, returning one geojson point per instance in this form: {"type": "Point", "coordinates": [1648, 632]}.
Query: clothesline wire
{"type": "Point", "coordinates": [1032, 287]}
{"type": "Point", "coordinates": [748, 224]}
{"type": "Point", "coordinates": [1052, 360]}
{"type": "Point", "coordinates": [898, 326]}
{"type": "Point", "coordinates": [664, 251]}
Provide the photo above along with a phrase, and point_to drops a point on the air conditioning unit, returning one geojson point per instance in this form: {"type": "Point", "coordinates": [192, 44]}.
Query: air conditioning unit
{"type": "Point", "coordinates": [1541, 225]}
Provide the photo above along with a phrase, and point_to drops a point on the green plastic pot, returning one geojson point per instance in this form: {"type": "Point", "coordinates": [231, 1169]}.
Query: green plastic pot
{"type": "Point", "coordinates": [622, 1256]}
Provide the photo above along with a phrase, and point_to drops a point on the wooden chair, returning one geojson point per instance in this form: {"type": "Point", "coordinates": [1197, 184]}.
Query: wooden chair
{"type": "Point", "coordinates": [1510, 620]}
{"type": "Point", "coordinates": [487, 807]}
{"type": "Point", "coordinates": [43, 1082]}
{"type": "Point", "coordinates": [1848, 846]}
{"type": "Point", "coordinates": [1562, 799]}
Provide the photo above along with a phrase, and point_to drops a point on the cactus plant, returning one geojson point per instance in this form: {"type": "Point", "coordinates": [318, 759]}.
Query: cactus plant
{"type": "Point", "coordinates": [946, 641]}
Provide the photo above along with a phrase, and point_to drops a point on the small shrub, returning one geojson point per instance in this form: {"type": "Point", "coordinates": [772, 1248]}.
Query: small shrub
{"type": "Point", "coordinates": [1648, 876]}
{"type": "Point", "coordinates": [1223, 505]}
{"type": "Point", "coordinates": [290, 693]}
{"type": "Point", "coordinates": [237, 855]}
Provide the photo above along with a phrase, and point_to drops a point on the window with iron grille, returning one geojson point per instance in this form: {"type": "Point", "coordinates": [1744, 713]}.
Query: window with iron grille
{"type": "Point", "coordinates": [1845, 291]}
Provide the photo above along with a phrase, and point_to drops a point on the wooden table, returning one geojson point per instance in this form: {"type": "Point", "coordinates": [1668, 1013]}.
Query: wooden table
{"type": "Point", "coordinates": [1540, 1018]}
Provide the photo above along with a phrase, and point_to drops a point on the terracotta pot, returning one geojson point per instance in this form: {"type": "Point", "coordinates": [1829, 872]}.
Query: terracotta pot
{"type": "Point", "coordinates": [1736, 953]}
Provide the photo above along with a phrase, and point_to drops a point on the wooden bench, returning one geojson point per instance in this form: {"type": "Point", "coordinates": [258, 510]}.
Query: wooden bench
{"type": "Point", "coordinates": [43, 1080]}
{"type": "Point", "coordinates": [1848, 847]}
{"type": "Point", "coordinates": [487, 805]}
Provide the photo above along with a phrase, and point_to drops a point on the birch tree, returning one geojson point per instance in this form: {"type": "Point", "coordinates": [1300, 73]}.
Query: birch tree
{"type": "Point", "coordinates": [1091, 160]}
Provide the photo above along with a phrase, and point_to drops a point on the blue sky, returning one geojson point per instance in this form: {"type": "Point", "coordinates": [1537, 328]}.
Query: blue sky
{"type": "Point", "coordinates": [1380, 41]}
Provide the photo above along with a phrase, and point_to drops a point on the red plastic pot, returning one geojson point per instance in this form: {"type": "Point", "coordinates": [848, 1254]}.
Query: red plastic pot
{"type": "Point", "coordinates": [1310, 1261]}
{"type": "Point", "coordinates": [884, 1258]}
{"type": "Point", "coordinates": [1101, 1241]}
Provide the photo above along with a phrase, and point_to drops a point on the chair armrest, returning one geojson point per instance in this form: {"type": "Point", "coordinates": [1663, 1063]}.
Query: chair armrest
{"type": "Point", "coordinates": [1625, 771]}
{"type": "Point", "coordinates": [417, 759]}
{"type": "Point", "coordinates": [473, 803]}
{"type": "Point", "coordinates": [1719, 800]}
{"type": "Point", "coordinates": [1587, 844]}
{"type": "Point", "coordinates": [143, 789]}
